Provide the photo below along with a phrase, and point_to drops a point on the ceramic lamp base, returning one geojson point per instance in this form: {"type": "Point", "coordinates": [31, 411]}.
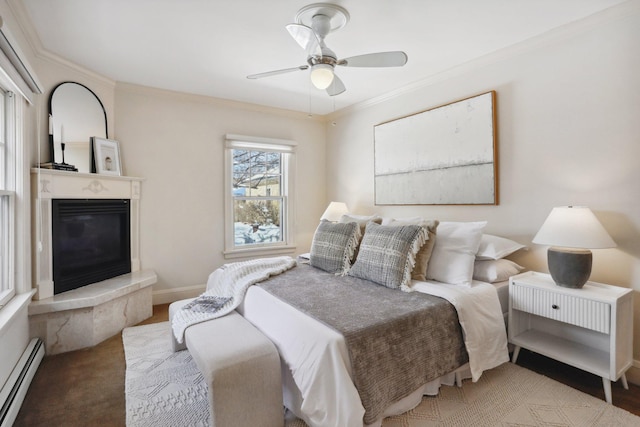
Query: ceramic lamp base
{"type": "Point", "coordinates": [569, 268]}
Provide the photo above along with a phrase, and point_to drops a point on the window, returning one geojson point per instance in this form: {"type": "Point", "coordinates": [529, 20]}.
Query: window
{"type": "Point", "coordinates": [7, 198]}
{"type": "Point", "coordinates": [258, 196]}
{"type": "Point", "coordinates": [19, 88]}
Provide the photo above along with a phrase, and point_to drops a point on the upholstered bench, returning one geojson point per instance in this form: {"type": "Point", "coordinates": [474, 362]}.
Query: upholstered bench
{"type": "Point", "coordinates": [241, 367]}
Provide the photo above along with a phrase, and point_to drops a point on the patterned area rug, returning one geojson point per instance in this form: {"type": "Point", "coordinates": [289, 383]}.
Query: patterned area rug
{"type": "Point", "coordinates": [162, 388]}
{"type": "Point", "coordinates": [166, 389]}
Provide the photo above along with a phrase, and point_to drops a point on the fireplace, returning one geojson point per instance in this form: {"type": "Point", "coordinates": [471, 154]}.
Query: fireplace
{"type": "Point", "coordinates": [90, 242]}
{"type": "Point", "coordinates": [87, 234]}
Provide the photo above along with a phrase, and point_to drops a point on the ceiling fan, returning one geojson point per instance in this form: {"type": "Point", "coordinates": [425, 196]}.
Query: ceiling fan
{"type": "Point", "coordinates": [313, 23]}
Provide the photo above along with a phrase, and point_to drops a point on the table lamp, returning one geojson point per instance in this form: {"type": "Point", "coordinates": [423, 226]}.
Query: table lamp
{"type": "Point", "coordinates": [334, 211]}
{"type": "Point", "coordinates": [572, 231]}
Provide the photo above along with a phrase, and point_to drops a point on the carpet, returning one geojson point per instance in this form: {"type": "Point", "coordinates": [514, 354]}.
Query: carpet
{"type": "Point", "coordinates": [166, 389]}
{"type": "Point", "coordinates": [162, 388]}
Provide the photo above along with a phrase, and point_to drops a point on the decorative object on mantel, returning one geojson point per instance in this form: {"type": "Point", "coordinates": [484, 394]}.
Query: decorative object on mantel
{"type": "Point", "coordinates": [52, 164]}
{"type": "Point", "coordinates": [107, 156]}
{"type": "Point", "coordinates": [58, 166]}
{"type": "Point", "coordinates": [75, 115]}
{"type": "Point", "coordinates": [572, 231]}
{"type": "Point", "coordinates": [443, 156]}
{"type": "Point", "coordinates": [334, 211]}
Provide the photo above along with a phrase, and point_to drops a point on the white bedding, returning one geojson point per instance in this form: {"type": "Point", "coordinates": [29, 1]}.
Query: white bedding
{"type": "Point", "coordinates": [480, 316]}
{"type": "Point", "coordinates": [316, 366]}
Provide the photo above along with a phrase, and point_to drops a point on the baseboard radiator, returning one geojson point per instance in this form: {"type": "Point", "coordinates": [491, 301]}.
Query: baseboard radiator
{"type": "Point", "coordinates": [15, 389]}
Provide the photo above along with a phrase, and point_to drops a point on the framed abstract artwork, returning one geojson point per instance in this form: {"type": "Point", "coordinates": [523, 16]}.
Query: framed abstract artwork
{"type": "Point", "coordinates": [443, 156]}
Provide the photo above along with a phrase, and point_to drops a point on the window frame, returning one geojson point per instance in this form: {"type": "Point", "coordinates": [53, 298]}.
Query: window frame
{"type": "Point", "coordinates": [9, 162]}
{"type": "Point", "coordinates": [287, 149]}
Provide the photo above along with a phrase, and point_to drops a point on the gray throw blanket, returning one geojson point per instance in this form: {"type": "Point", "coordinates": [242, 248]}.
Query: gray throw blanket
{"type": "Point", "coordinates": [397, 341]}
{"type": "Point", "coordinates": [226, 291]}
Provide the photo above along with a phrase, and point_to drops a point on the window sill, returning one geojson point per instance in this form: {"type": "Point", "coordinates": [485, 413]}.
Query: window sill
{"type": "Point", "coordinates": [14, 306]}
{"type": "Point", "coordinates": [259, 252]}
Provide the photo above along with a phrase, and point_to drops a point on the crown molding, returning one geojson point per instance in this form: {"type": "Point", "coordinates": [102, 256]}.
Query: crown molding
{"type": "Point", "coordinates": [614, 13]}
{"type": "Point", "coordinates": [23, 21]}
{"type": "Point", "coordinates": [210, 100]}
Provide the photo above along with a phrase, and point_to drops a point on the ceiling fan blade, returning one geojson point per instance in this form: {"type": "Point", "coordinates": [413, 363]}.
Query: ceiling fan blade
{"type": "Point", "coordinates": [380, 59]}
{"type": "Point", "coordinates": [276, 72]}
{"type": "Point", "coordinates": [305, 37]}
{"type": "Point", "coordinates": [336, 87]}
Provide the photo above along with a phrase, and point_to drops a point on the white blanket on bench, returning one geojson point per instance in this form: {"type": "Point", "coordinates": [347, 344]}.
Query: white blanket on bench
{"type": "Point", "coordinates": [225, 292]}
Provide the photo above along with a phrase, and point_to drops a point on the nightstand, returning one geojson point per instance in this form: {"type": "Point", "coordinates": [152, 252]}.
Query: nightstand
{"type": "Point", "coordinates": [589, 328]}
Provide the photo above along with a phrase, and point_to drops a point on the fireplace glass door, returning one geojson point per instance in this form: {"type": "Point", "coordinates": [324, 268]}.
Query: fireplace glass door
{"type": "Point", "coordinates": [91, 241]}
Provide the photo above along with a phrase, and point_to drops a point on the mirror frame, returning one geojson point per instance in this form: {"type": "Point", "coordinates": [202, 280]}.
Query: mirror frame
{"type": "Point", "coordinates": [106, 127]}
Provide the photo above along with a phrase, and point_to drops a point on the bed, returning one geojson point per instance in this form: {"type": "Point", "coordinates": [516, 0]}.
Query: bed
{"type": "Point", "coordinates": [317, 369]}
{"type": "Point", "coordinates": [316, 366]}
{"type": "Point", "coordinates": [325, 377]}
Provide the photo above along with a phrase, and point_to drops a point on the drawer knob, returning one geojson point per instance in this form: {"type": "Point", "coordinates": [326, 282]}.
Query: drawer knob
{"type": "Point", "coordinates": [555, 306]}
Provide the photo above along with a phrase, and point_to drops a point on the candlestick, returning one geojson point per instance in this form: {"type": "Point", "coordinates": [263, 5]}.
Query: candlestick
{"type": "Point", "coordinates": [52, 155]}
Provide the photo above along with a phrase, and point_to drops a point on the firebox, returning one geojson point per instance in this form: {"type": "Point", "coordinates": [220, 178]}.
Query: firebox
{"type": "Point", "coordinates": [91, 241]}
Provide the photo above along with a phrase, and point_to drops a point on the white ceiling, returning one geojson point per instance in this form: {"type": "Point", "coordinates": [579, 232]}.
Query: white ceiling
{"type": "Point", "coordinates": [208, 47]}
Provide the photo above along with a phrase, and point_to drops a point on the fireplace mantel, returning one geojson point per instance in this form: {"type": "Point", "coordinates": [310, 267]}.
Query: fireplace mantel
{"type": "Point", "coordinates": [50, 184]}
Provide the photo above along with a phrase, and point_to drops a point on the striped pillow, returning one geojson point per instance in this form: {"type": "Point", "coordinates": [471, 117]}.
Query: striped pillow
{"type": "Point", "coordinates": [333, 246]}
{"type": "Point", "coordinates": [387, 254]}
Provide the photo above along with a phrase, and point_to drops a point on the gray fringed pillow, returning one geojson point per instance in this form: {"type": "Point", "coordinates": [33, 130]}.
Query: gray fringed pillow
{"type": "Point", "coordinates": [362, 223]}
{"type": "Point", "coordinates": [387, 254]}
{"type": "Point", "coordinates": [422, 258]}
{"type": "Point", "coordinates": [333, 246]}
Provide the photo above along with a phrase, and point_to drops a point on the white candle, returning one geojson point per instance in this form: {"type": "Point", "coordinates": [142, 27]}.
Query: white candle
{"type": "Point", "coordinates": [62, 133]}
{"type": "Point", "coordinates": [50, 124]}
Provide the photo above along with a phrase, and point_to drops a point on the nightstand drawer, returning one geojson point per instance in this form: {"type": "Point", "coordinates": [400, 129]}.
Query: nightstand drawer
{"type": "Point", "coordinates": [594, 315]}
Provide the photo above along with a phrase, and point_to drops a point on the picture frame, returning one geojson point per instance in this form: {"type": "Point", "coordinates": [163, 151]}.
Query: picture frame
{"type": "Point", "coordinates": [446, 155]}
{"type": "Point", "coordinates": [106, 155]}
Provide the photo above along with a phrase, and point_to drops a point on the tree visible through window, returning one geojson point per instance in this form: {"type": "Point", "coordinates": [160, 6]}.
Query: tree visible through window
{"type": "Point", "coordinates": [257, 197]}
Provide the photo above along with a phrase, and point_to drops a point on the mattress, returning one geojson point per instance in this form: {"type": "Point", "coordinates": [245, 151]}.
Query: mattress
{"type": "Point", "coordinates": [503, 295]}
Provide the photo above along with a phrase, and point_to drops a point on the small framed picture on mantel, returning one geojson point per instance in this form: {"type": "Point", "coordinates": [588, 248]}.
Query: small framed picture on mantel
{"type": "Point", "coordinates": [106, 153]}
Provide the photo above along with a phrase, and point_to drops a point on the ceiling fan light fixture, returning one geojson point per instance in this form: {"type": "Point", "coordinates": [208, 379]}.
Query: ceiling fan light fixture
{"type": "Point", "coordinates": [322, 75]}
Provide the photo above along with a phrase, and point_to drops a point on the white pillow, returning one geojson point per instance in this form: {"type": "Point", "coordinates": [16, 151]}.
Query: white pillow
{"type": "Point", "coordinates": [408, 219]}
{"type": "Point", "coordinates": [455, 251]}
{"type": "Point", "coordinates": [362, 220]}
{"type": "Point", "coordinates": [495, 270]}
{"type": "Point", "coordinates": [494, 247]}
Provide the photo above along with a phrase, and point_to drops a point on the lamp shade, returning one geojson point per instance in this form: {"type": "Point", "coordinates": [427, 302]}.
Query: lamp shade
{"type": "Point", "coordinates": [334, 211]}
{"type": "Point", "coordinates": [573, 227]}
{"type": "Point", "coordinates": [321, 75]}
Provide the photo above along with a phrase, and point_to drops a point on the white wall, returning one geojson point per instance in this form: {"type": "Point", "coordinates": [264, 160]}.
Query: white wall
{"type": "Point", "coordinates": [568, 111]}
{"type": "Point", "coordinates": [176, 142]}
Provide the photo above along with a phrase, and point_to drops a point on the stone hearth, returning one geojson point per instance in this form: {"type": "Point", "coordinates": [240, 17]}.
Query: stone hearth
{"type": "Point", "coordinates": [87, 316]}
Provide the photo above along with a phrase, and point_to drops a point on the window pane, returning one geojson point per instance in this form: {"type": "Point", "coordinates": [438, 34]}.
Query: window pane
{"type": "Point", "coordinates": [272, 186]}
{"type": "Point", "coordinates": [256, 173]}
{"type": "Point", "coordinates": [257, 221]}
{"type": "Point", "coordinates": [4, 243]}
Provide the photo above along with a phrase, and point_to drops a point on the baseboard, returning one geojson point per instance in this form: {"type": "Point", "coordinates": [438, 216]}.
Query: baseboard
{"type": "Point", "coordinates": [166, 296]}
{"type": "Point", "coordinates": [15, 389]}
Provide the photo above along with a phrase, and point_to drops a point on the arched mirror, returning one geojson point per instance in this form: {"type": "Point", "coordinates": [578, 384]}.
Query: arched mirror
{"type": "Point", "coordinates": [76, 114]}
